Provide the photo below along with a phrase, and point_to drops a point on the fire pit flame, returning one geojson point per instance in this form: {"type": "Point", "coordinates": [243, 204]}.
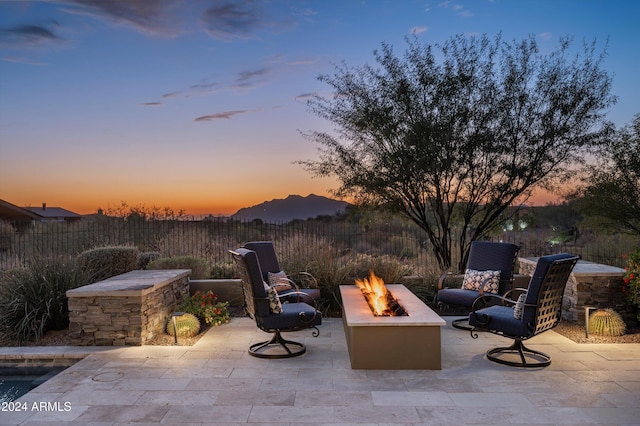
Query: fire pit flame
{"type": "Point", "coordinates": [380, 300]}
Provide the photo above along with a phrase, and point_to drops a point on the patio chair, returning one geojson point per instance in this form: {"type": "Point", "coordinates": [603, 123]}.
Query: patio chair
{"type": "Point", "coordinates": [298, 287]}
{"type": "Point", "coordinates": [489, 270]}
{"type": "Point", "coordinates": [263, 305]}
{"type": "Point", "coordinates": [537, 310]}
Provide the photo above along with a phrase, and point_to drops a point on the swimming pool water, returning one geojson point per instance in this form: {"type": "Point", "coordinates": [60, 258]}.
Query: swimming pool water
{"type": "Point", "coordinates": [17, 381]}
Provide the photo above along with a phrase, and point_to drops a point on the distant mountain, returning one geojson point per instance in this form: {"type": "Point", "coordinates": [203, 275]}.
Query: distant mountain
{"type": "Point", "coordinates": [292, 207]}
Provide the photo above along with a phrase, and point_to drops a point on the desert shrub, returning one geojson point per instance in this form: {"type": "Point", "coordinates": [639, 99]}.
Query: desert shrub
{"type": "Point", "coordinates": [316, 255]}
{"type": "Point", "coordinates": [33, 299]}
{"type": "Point", "coordinates": [389, 268]}
{"type": "Point", "coordinates": [146, 257]}
{"type": "Point", "coordinates": [105, 262]}
{"type": "Point", "coordinates": [225, 270]}
{"type": "Point", "coordinates": [200, 268]}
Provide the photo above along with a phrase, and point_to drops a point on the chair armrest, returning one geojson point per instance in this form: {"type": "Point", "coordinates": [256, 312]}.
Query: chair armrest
{"type": "Point", "coordinates": [306, 277]}
{"type": "Point", "coordinates": [518, 290]}
{"type": "Point", "coordinates": [290, 281]}
{"type": "Point", "coordinates": [481, 301]}
{"type": "Point", "coordinates": [449, 280]}
{"type": "Point", "coordinates": [299, 296]}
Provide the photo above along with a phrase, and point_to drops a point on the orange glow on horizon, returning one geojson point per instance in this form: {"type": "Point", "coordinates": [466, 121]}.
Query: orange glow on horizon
{"type": "Point", "coordinates": [194, 203]}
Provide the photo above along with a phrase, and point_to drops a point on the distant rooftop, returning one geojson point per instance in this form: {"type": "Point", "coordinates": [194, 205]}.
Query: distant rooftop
{"type": "Point", "coordinates": [53, 212]}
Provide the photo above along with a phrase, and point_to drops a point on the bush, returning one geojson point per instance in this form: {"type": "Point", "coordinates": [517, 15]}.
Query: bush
{"type": "Point", "coordinates": [200, 268]}
{"type": "Point", "coordinates": [106, 262]}
{"type": "Point", "coordinates": [205, 306]}
{"type": "Point", "coordinates": [225, 270]}
{"type": "Point", "coordinates": [146, 257]}
{"type": "Point", "coordinates": [33, 299]}
{"type": "Point", "coordinates": [632, 279]}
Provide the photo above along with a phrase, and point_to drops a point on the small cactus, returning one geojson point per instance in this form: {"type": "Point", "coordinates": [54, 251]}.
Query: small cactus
{"type": "Point", "coordinates": [187, 325]}
{"type": "Point", "coordinates": [607, 322]}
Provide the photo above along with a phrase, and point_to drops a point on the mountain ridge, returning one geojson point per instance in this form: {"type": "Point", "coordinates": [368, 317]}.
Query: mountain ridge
{"type": "Point", "coordinates": [291, 208]}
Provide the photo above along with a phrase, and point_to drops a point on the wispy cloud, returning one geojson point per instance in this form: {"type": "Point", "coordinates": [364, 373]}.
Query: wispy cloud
{"type": "Point", "coordinates": [418, 30]}
{"type": "Point", "coordinates": [148, 16]}
{"type": "Point", "coordinates": [226, 115]}
{"type": "Point", "coordinates": [28, 35]}
{"type": "Point", "coordinates": [19, 60]}
{"type": "Point", "coordinates": [458, 8]}
{"type": "Point", "coordinates": [150, 104]}
{"type": "Point", "coordinates": [233, 20]}
{"type": "Point", "coordinates": [305, 96]}
{"type": "Point", "coordinates": [251, 75]}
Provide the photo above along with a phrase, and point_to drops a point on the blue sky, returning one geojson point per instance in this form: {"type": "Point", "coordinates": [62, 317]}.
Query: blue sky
{"type": "Point", "coordinates": [200, 105]}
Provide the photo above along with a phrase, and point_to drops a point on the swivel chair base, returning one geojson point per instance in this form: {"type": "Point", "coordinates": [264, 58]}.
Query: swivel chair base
{"type": "Point", "coordinates": [529, 358]}
{"type": "Point", "coordinates": [462, 324]}
{"type": "Point", "coordinates": [292, 349]}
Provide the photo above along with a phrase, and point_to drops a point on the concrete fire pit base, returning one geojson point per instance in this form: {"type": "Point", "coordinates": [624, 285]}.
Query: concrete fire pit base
{"type": "Point", "coordinates": [391, 343]}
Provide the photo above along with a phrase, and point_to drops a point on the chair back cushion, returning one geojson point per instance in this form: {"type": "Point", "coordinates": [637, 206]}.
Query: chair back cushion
{"type": "Point", "coordinates": [266, 256]}
{"type": "Point", "coordinates": [543, 304]}
{"type": "Point", "coordinates": [488, 255]}
{"type": "Point", "coordinates": [253, 285]}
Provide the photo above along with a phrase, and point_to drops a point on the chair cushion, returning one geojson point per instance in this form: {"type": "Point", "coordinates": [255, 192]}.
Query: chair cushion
{"type": "Point", "coordinates": [274, 301]}
{"type": "Point", "coordinates": [487, 281]}
{"type": "Point", "coordinates": [279, 281]}
{"type": "Point", "coordinates": [457, 296]}
{"type": "Point", "coordinates": [293, 316]}
{"type": "Point", "coordinates": [519, 306]}
{"type": "Point", "coordinates": [501, 320]}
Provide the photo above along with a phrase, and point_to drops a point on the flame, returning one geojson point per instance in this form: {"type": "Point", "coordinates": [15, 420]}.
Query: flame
{"type": "Point", "coordinates": [375, 291]}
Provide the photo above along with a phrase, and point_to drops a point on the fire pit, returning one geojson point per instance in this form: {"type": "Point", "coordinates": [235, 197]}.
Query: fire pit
{"type": "Point", "coordinates": [405, 342]}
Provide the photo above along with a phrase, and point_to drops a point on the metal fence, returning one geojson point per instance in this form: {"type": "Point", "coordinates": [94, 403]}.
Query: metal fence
{"type": "Point", "coordinates": [211, 239]}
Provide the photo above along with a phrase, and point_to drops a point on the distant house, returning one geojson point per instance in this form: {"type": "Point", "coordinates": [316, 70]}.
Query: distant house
{"type": "Point", "coordinates": [54, 214]}
{"type": "Point", "coordinates": [13, 213]}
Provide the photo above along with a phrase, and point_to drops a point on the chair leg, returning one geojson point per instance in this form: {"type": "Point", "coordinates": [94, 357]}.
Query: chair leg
{"type": "Point", "coordinates": [292, 348]}
{"type": "Point", "coordinates": [536, 358]}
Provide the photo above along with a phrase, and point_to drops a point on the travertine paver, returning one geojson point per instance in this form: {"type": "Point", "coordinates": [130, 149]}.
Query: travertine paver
{"type": "Point", "coordinates": [215, 382]}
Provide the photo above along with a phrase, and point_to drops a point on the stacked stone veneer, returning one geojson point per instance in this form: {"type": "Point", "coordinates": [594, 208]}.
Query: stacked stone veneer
{"type": "Point", "coordinates": [590, 284]}
{"type": "Point", "coordinates": [128, 309]}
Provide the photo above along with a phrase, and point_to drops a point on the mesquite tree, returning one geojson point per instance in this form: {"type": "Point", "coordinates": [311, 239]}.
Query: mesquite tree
{"type": "Point", "coordinates": [610, 193]}
{"type": "Point", "coordinates": [452, 135]}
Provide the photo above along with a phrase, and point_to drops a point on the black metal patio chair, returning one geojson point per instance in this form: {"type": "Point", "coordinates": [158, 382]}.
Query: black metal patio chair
{"type": "Point", "coordinates": [537, 310]}
{"type": "Point", "coordinates": [262, 304]}
{"type": "Point", "coordinates": [489, 270]}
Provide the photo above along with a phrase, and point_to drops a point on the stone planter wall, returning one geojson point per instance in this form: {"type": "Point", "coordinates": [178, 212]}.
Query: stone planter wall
{"type": "Point", "coordinates": [128, 309]}
{"type": "Point", "coordinates": [590, 284]}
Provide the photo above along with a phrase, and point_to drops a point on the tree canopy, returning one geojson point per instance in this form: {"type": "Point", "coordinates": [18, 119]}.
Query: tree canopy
{"type": "Point", "coordinates": [452, 135]}
{"type": "Point", "coordinates": [610, 194]}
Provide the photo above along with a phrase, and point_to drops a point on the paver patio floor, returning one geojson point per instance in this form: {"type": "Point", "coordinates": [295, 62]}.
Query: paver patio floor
{"type": "Point", "coordinates": [216, 382]}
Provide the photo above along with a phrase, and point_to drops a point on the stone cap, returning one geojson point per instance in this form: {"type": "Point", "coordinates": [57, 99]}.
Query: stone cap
{"type": "Point", "coordinates": [583, 268]}
{"type": "Point", "coordinates": [134, 283]}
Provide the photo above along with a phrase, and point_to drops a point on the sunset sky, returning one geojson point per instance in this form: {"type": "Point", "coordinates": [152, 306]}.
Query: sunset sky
{"type": "Point", "coordinates": [200, 105]}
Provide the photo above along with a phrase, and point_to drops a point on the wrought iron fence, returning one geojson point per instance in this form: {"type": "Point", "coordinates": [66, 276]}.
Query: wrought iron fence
{"type": "Point", "coordinates": [211, 239]}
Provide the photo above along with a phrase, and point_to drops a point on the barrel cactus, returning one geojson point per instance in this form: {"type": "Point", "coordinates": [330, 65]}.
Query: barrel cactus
{"type": "Point", "coordinates": [607, 322]}
{"type": "Point", "coordinates": [187, 325]}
